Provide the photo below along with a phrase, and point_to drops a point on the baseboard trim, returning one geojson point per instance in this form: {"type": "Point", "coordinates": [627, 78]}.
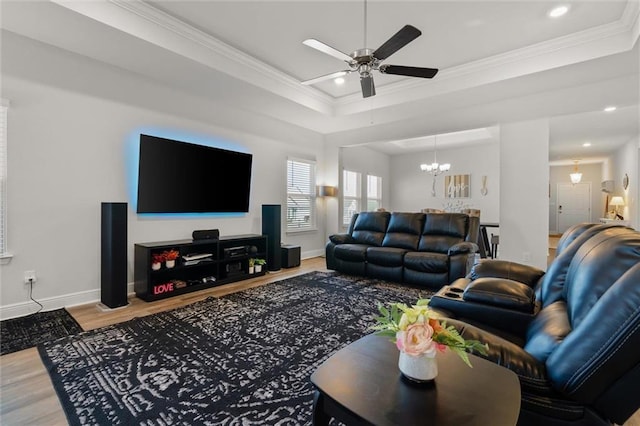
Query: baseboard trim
{"type": "Point", "coordinates": [56, 302]}
{"type": "Point", "coordinates": [81, 298]}
{"type": "Point", "coordinates": [312, 253]}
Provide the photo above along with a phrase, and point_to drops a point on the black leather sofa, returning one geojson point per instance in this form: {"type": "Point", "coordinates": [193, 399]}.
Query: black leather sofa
{"type": "Point", "coordinates": [423, 249]}
{"type": "Point", "coordinates": [572, 334]}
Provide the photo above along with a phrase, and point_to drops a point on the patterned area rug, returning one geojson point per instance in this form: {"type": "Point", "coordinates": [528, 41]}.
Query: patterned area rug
{"type": "Point", "coordinates": [242, 359]}
{"type": "Point", "coordinates": [28, 331]}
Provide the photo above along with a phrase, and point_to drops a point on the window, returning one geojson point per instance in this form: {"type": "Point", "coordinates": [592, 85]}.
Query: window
{"type": "Point", "coordinates": [301, 195]}
{"type": "Point", "coordinates": [350, 195]}
{"type": "Point", "coordinates": [3, 177]}
{"type": "Point", "coordinates": [374, 193]}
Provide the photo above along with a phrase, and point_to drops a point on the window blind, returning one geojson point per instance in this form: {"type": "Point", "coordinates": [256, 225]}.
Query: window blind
{"type": "Point", "coordinates": [350, 195]}
{"type": "Point", "coordinates": [300, 195]}
{"type": "Point", "coordinates": [374, 192]}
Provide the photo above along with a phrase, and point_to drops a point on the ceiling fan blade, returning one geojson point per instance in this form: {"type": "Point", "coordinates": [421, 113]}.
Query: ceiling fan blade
{"type": "Point", "coordinates": [325, 77]}
{"type": "Point", "coordinates": [325, 48]}
{"type": "Point", "coordinates": [408, 71]}
{"type": "Point", "coordinates": [400, 39]}
{"type": "Point", "coordinates": [368, 88]}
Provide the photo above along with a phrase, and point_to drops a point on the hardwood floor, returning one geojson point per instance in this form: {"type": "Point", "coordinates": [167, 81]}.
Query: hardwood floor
{"type": "Point", "coordinates": [27, 396]}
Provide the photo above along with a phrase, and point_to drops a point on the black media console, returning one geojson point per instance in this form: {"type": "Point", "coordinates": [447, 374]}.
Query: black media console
{"type": "Point", "coordinates": [200, 264]}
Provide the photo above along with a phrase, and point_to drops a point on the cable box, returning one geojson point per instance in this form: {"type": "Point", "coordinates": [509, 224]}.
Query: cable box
{"type": "Point", "coordinates": [196, 256]}
{"type": "Point", "coordinates": [231, 252]}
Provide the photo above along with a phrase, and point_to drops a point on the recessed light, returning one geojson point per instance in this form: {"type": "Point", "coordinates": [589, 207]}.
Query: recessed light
{"type": "Point", "coordinates": [586, 144]}
{"type": "Point", "coordinates": [610, 109]}
{"type": "Point", "coordinates": [339, 81]}
{"type": "Point", "coordinates": [557, 12]}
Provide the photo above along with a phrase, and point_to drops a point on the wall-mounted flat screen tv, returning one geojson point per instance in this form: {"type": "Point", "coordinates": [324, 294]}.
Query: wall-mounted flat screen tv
{"type": "Point", "coordinates": [181, 177]}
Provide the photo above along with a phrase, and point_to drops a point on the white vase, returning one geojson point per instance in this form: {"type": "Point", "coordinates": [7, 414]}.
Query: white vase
{"type": "Point", "coordinates": [251, 269]}
{"type": "Point", "coordinates": [418, 368]}
{"type": "Point", "coordinates": [156, 265]}
{"type": "Point", "coordinates": [170, 263]}
{"type": "Point", "coordinates": [258, 268]}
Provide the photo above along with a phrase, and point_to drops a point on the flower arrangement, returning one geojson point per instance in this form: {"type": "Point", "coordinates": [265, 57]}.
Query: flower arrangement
{"type": "Point", "coordinates": [417, 332]}
{"type": "Point", "coordinates": [171, 254]}
{"type": "Point", "coordinates": [157, 258]}
{"type": "Point", "coordinates": [260, 262]}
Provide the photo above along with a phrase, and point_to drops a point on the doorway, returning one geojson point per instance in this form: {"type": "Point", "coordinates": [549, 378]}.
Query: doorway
{"type": "Point", "coordinates": [573, 203]}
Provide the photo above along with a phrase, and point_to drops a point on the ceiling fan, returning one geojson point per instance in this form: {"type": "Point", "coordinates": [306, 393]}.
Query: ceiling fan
{"type": "Point", "coordinates": [365, 60]}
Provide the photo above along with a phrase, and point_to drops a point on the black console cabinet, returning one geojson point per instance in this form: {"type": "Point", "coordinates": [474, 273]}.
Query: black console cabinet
{"type": "Point", "coordinates": [228, 262]}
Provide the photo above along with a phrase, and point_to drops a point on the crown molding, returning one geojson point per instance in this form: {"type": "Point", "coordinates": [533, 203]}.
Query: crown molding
{"type": "Point", "coordinates": [581, 161]}
{"type": "Point", "coordinates": [148, 23]}
{"type": "Point", "coordinates": [603, 40]}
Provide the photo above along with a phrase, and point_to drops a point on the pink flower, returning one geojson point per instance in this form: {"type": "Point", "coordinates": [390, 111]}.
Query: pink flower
{"type": "Point", "coordinates": [417, 340]}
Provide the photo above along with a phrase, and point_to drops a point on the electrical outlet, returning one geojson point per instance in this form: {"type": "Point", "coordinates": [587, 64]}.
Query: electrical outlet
{"type": "Point", "coordinates": [30, 277]}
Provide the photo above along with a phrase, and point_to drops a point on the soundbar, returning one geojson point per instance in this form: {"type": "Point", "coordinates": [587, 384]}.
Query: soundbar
{"type": "Point", "coordinates": [205, 234]}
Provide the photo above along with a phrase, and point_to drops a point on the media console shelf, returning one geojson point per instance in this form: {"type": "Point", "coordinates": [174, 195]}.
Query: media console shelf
{"type": "Point", "coordinates": [200, 264]}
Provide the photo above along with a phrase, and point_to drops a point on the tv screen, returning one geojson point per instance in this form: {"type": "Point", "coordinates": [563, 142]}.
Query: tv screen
{"type": "Point", "coordinates": [180, 177]}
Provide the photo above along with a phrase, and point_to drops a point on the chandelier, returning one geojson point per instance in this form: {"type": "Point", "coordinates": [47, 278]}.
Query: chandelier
{"type": "Point", "coordinates": [576, 176]}
{"type": "Point", "coordinates": [435, 168]}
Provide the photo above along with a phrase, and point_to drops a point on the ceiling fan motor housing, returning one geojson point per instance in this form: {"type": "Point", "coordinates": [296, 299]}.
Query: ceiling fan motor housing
{"type": "Point", "coordinates": [362, 55]}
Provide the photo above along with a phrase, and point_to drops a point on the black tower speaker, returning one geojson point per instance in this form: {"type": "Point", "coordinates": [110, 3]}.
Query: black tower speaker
{"type": "Point", "coordinates": [113, 287]}
{"type": "Point", "coordinates": [271, 228]}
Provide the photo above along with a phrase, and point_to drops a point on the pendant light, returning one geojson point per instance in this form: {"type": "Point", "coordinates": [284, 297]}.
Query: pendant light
{"type": "Point", "coordinates": [576, 176]}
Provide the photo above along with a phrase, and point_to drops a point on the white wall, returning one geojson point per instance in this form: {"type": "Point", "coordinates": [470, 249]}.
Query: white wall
{"type": "Point", "coordinates": [524, 186]}
{"type": "Point", "coordinates": [68, 151]}
{"type": "Point", "coordinates": [411, 188]}
{"type": "Point", "coordinates": [627, 161]}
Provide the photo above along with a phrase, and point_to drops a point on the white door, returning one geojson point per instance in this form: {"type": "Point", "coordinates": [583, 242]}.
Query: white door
{"type": "Point", "coordinates": [573, 205]}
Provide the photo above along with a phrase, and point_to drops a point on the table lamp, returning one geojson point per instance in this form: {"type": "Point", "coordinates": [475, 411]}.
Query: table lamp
{"type": "Point", "coordinates": [617, 201]}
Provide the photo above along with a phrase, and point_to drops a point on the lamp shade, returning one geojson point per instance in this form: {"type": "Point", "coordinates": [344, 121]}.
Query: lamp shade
{"type": "Point", "coordinates": [327, 191]}
{"type": "Point", "coordinates": [616, 201]}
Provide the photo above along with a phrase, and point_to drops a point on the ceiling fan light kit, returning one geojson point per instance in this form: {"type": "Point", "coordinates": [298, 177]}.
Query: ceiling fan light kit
{"type": "Point", "coordinates": [365, 60]}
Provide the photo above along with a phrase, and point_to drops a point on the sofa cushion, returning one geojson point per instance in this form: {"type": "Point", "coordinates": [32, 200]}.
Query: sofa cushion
{"type": "Point", "coordinates": [547, 330]}
{"type": "Point", "coordinates": [426, 261]}
{"type": "Point", "coordinates": [370, 227]}
{"type": "Point", "coordinates": [551, 288]}
{"type": "Point", "coordinates": [441, 231]}
{"type": "Point", "coordinates": [596, 266]}
{"type": "Point", "coordinates": [404, 230]}
{"type": "Point", "coordinates": [386, 256]}
{"type": "Point", "coordinates": [351, 252]}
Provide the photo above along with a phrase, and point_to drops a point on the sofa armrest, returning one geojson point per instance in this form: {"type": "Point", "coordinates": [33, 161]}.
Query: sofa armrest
{"type": "Point", "coordinates": [501, 292]}
{"type": "Point", "coordinates": [462, 248]}
{"type": "Point", "coordinates": [531, 372]}
{"type": "Point", "coordinates": [496, 315]}
{"type": "Point", "coordinates": [492, 268]}
{"type": "Point", "coordinates": [341, 239]}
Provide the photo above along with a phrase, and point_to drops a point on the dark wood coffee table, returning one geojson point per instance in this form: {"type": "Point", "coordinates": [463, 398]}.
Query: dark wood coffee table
{"type": "Point", "coordinates": [361, 385]}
